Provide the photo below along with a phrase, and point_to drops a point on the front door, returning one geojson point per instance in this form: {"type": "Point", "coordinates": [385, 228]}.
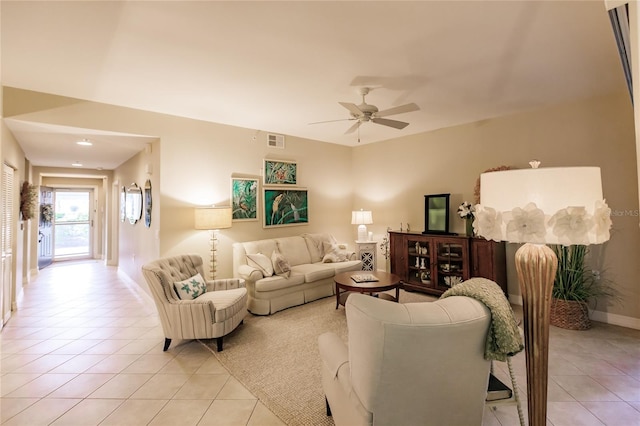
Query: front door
{"type": "Point", "coordinates": [73, 224]}
{"type": "Point", "coordinates": [45, 228]}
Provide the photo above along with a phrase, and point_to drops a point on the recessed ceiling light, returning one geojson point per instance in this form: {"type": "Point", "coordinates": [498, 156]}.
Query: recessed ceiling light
{"type": "Point", "coordinates": [76, 164]}
{"type": "Point", "coordinates": [84, 142]}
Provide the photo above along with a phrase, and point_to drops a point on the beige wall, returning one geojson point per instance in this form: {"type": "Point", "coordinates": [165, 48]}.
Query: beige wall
{"type": "Point", "coordinates": [193, 161]}
{"type": "Point", "coordinates": [598, 132]}
{"type": "Point", "coordinates": [138, 244]}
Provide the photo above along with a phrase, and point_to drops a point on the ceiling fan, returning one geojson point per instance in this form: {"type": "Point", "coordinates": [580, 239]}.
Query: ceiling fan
{"type": "Point", "coordinates": [366, 112]}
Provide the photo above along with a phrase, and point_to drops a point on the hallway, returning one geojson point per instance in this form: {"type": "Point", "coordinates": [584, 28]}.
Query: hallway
{"type": "Point", "coordinates": [85, 348]}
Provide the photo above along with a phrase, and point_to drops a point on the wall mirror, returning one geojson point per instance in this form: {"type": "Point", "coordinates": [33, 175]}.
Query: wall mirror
{"type": "Point", "coordinates": [147, 203]}
{"type": "Point", "coordinates": [123, 203]}
{"type": "Point", "coordinates": [134, 203]}
{"type": "Point", "coordinates": [436, 214]}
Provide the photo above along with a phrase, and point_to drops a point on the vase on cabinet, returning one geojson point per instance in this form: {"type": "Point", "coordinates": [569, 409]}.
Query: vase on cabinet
{"type": "Point", "coordinates": [469, 227]}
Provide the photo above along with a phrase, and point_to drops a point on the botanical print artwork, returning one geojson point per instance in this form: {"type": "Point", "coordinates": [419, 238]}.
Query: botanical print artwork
{"type": "Point", "coordinates": [283, 207]}
{"type": "Point", "coordinates": [244, 199]}
{"type": "Point", "coordinates": [277, 172]}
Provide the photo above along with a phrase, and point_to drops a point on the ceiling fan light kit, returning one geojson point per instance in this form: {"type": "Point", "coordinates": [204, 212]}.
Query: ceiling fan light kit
{"type": "Point", "coordinates": [365, 112]}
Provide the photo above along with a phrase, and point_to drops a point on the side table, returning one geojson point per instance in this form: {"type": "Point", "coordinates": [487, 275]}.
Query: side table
{"type": "Point", "coordinates": [366, 251]}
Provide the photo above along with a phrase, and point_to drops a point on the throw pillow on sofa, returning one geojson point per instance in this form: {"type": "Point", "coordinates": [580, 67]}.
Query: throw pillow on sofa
{"type": "Point", "coordinates": [191, 287]}
{"type": "Point", "coordinates": [260, 262]}
{"type": "Point", "coordinates": [281, 266]}
{"type": "Point", "coordinates": [333, 253]}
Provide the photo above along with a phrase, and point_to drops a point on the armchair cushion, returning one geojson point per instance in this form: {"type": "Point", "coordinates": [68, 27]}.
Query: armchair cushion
{"type": "Point", "coordinates": [190, 288]}
{"type": "Point", "coordinates": [224, 304]}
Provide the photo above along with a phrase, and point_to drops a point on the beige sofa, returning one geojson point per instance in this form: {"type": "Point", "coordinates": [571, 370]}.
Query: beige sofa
{"type": "Point", "coordinates": [309, 277]}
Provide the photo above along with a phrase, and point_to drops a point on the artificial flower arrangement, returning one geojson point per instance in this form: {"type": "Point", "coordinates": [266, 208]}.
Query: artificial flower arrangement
{"type": "Point", "coordinates": [28, 200]}
{"type": "Point", "coordinates": [46, 212]}
{"type": "Point", "coordinates": [466, 210]}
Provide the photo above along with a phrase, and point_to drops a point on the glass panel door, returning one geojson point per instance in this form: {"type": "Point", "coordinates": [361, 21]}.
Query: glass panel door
{"type": "Point", "coordinates": [72, 223]}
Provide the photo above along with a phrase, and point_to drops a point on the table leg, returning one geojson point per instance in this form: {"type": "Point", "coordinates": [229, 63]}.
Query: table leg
{"type": "Point", "coordinates": [398, 294]}
{"type": "Point", "coordinates": [337, 296]}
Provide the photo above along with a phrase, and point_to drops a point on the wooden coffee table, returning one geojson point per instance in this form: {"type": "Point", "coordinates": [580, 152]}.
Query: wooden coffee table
{"type": "Point", "coordinates": [386, 281]}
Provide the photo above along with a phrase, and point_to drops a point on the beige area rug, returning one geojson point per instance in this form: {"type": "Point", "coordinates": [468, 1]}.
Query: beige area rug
{"type": "Point", "coordinates": [276, 357]}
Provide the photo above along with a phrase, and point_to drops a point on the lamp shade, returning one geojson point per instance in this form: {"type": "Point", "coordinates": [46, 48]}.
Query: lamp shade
{"type": "Point", "coordinates": [361, 217]}
{"type": "Point", "coordinates": [212, 218]}
{"type": "Point", "coordinates": [553, 205]}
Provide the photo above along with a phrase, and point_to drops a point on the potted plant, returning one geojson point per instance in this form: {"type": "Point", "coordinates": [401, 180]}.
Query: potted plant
{"type": "Point", "coordinates": [575, 285]}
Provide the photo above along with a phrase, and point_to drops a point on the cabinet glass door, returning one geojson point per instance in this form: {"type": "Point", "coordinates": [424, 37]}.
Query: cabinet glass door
{"type": "Point", "coordinates": [419, 257]}
{"type": "Point", "coordinates": [450, 264]}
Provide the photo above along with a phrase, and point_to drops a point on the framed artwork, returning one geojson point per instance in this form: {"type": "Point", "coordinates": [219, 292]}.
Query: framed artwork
{"type": "Point", "coordinates": [244, 199]}
{"type": "Point", "coordinates": [285, 207]}
{"type": "Point", "coordinates": [280, 172]}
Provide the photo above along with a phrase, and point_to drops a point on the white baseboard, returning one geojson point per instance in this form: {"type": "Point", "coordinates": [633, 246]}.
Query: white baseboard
{"type": "Point", "coordinates": [614, 319]}
{"type": "Point", "coordinates": [135, 287]}
{"type": "Point", "coordinates": [605, 317]}
{"type": "Point", "coordinates": [515, 299]}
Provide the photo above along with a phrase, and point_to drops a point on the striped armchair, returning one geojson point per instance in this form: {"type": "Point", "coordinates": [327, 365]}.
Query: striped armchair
{"type": "Point", "coordinates": [213, 314]}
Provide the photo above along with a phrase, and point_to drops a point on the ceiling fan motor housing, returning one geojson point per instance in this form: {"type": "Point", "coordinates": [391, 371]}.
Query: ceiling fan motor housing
{"type": "Point", "coordinates": [367, 111]}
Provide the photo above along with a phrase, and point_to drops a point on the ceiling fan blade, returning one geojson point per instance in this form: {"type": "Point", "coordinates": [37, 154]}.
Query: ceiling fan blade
{"type": "Point", "coordinates": [398, 110]}
{"type": "Point", "coordinates": [332, 121]}
{"type": "Point", "coordinates": [353, 108]}
{"type": "Point", "coordinates": [391, 123]}
{"type": "Point", "coordinates": [353, 128]}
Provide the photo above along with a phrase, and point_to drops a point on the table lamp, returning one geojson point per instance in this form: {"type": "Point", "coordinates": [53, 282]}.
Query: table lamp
{"type": "Point", "coordinates": [539, 206]}
{"type": "Point", "coordinates": [213, 219]}
{"type": "Point", "coordinates": [362, 218]}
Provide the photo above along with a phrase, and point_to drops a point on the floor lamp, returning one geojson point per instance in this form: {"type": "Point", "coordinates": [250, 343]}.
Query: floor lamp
{"type": "Point", "coordinates": [213, 219]}
{"type": "Point", "coordinates": [540, 206]}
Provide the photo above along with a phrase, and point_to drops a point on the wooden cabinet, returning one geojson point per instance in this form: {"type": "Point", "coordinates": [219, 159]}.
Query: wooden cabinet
{"type": "Point", "coordinates": [488, 260]}
{"type": "Point", "coordinates": [434, 263]}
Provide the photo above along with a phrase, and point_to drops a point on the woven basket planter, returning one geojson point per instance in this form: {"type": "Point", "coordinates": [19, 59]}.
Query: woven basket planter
{"type": "Point", "coordinates": [570, 314]}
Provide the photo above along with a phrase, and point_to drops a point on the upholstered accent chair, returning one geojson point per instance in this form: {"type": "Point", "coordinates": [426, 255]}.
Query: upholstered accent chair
{"type": "Point", "coordinates": [213, 314]}
{"type": "Point", "coordinates": [407, 364]}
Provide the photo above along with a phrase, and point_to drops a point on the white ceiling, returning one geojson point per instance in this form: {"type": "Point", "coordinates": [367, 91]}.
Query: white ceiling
{"type": "Point", "coordinates": [277, 66]}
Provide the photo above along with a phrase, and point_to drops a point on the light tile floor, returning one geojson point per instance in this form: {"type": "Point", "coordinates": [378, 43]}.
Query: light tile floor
{"type": "Point", "coordinates": [85, 348]}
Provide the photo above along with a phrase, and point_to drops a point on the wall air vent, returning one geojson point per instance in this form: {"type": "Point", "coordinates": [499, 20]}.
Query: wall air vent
{"type": "Point", "coordinates": [275, 141]}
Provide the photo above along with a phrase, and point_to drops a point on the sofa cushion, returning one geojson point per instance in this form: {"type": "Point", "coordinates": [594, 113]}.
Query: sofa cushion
{"type": "Point", "coordinates": [191, 287]}
{"type": "Point", "coordinates": [281, 265]}
{"type": "Point", "coordinates": [294, 249]}
{"type": "Point", "coordinates": [265, 247]}
{"type": "Point", "coordinates": [261, 262]}
{"type": "Point", "coordinates": [349, 265]}
{"type": "Point", "coordinates": [314, 271]}
{"type": "Point", "coordinates": [333, 253]}
{"type": "Point", "coordinates": [315, 245]}
{"type": "Point", "coordinates": [277, 282]}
